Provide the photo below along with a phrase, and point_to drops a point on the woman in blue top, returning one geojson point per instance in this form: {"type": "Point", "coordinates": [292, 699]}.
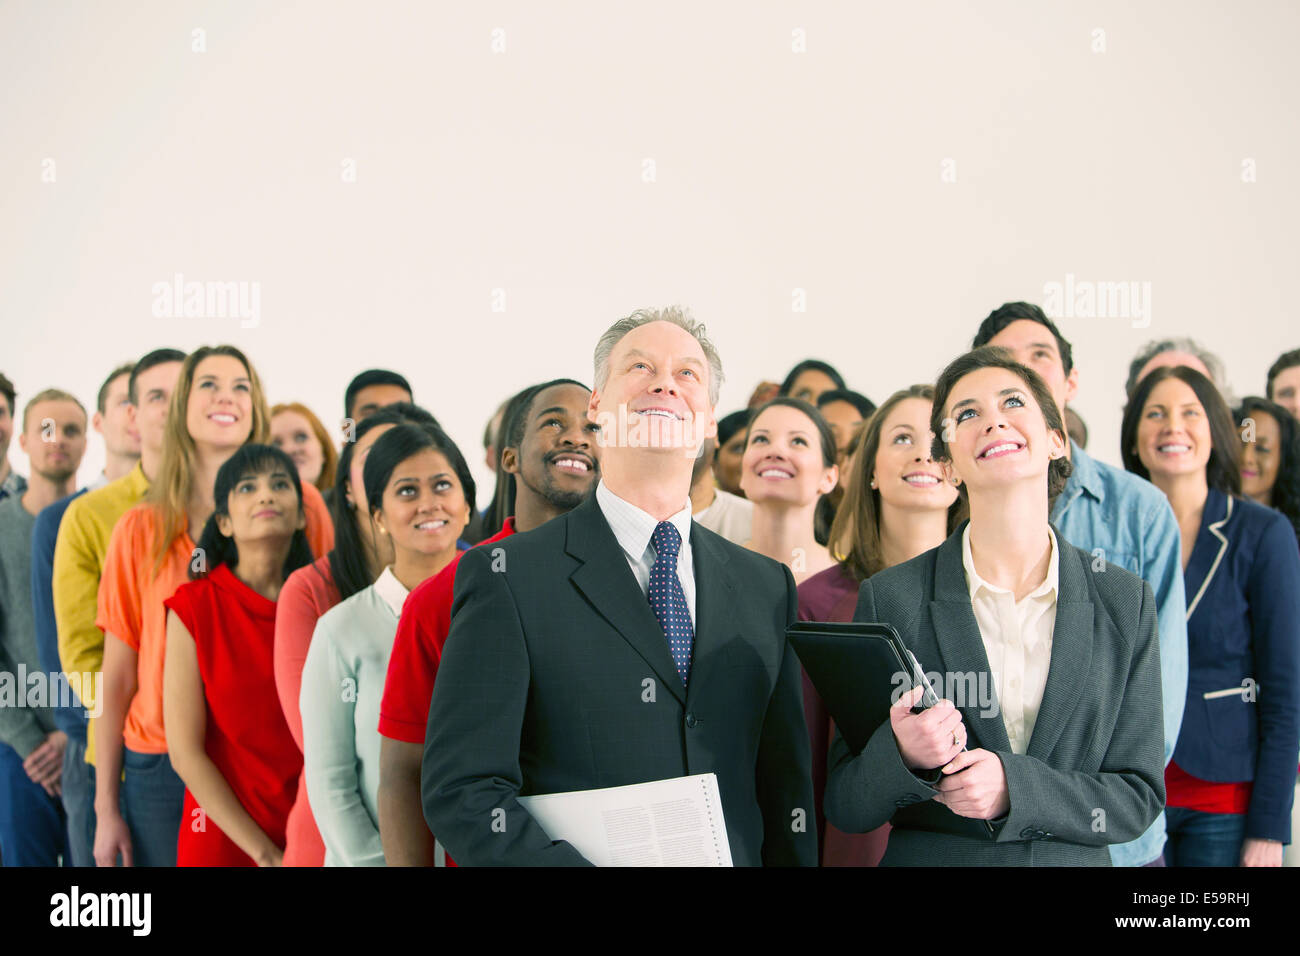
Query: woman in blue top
{"type": "Point", "coordinates": [1229, 786]}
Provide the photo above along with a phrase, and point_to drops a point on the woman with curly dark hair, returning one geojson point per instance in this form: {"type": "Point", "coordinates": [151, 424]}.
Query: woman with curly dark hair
{"type": "Point", "coordinates": [1270, 458]}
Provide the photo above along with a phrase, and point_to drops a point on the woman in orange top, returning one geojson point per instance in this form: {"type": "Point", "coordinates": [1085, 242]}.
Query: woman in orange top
{"type": "Point", "coordinates": [217, 407]}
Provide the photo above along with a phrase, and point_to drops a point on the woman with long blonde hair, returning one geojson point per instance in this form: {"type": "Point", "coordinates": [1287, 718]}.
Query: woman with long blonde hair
{"type": "Point", "coordinates": [218, 406]}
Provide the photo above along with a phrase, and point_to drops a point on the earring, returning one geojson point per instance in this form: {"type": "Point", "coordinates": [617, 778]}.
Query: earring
{"type": "Point", "coordinates": [873, 483]}
{"type": "Point", "coordinates": [955, 481]}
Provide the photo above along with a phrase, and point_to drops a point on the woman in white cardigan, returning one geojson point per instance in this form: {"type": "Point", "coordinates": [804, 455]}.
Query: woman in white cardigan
{"type": "Point", "coordinates": [421, 496]}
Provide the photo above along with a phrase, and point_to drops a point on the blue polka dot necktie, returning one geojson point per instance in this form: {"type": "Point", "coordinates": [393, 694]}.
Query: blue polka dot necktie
{"type": "Point", "coordinates": [667, 599]}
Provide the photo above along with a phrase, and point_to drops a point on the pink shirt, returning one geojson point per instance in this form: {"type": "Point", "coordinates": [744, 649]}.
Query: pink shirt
{"type": "Point", "coordinates": [307, 594]}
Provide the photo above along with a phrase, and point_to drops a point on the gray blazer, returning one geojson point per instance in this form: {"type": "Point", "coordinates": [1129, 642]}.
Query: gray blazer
{"type": "Point", "coordinates": [1093, 773]}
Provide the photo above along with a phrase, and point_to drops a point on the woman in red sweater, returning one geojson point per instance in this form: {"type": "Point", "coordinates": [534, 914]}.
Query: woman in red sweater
{"type": "Point", "coordinates": [229, 740]}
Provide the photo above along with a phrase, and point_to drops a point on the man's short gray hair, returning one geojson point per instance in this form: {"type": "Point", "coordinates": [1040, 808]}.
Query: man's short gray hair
{"type": "Point", "coordinates": [1182, 344]}
{"type": "Point", "coordinates": [677, 316]}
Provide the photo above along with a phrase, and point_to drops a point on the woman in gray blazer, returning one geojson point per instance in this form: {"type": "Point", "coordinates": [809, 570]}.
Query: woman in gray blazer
{"type": "Point", "coordinates": [1046, 746]}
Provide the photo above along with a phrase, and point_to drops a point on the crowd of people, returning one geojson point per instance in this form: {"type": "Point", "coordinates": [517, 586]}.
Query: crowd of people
{"type": "Point", "coordinates": [242, 645]}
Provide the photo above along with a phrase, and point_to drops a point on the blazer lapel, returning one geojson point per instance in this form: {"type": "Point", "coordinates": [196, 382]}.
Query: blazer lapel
{"type": "Point", "coordinates": [1071, 658]}
{"type": "Point", "coordinates": [608, 584]}
{"type": "Point", "coordinates": [961, 646]}
{"type": "Point", "coordinates": [714, 601]}
{"type": "Point", "coordinates": [1207, 553]}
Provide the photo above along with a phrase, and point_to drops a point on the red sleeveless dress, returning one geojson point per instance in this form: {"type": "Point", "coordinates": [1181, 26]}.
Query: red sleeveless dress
{"type": "Point", "coordinates": [246, 736]}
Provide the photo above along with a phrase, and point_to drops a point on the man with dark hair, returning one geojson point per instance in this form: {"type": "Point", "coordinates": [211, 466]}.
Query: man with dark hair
{"type": "Point", "coordinates": [622, 642]}
{"type": "Point", "coordinates": [1284, 382]}
{"type": "Point", "coordinates": [368, 392]}
{"type": "Point", "coordinates": [550, 448]}
{"type": "Point", "coordinates": [11, 483]}
{"type": "Point", "coordinates": [149, 394]}
{"type": "Point", "coordinates": [112, 420]}
{"type": "Point", "coordinates": [372, 390]}
{"type": "Point", "coordinates": [1012, 312]}
{"type": "Point", "coordinates": [1076, 427]}
{"type": "Point", "coordinates": [1120, 518]}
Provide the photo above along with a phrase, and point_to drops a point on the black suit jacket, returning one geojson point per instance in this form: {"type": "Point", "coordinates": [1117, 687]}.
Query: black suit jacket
{"type": "Point", "coordinates": [556, 676]}
{"type": "Point", "coordinates": [1093, 773]}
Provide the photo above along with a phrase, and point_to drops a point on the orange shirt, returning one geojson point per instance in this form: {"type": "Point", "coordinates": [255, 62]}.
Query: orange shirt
{"type": "Point", "coordinates": [131, 596]}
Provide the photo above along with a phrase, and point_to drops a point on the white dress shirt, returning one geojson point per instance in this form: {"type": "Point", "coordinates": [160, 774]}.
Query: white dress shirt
{"type": "Point", "coordinates": [1017, 640]}
{"type": "Point", "coordinates": [634, 528]}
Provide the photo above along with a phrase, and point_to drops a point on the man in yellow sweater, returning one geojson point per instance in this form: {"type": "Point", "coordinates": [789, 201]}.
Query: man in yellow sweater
{"type": "Point", "coordinates": [87, 526]}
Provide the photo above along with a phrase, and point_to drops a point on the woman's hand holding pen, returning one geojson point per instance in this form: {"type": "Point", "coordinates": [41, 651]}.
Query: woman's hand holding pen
{"type": "Point", "coordinates": [974, 785]}
{"type": "Point", "coordinates": [929, 739]}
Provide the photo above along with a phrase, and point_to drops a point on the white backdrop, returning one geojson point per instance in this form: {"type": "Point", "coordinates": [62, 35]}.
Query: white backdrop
{"type": "Point", "coordinates": [392, 174]}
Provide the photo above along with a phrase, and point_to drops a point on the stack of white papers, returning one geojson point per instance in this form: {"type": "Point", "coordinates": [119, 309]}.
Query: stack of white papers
{"type": "Point", "coordinates": [675, 822]}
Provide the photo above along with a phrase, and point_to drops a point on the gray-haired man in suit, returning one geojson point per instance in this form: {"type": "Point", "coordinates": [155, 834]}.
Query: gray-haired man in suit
{"type": "Point", "coordinates": [623, 643]}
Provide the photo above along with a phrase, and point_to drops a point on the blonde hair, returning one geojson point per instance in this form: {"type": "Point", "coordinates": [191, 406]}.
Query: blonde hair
{"type": "Point", "coordinates": [170, 492]}
{"type": "Point", "coordinates": [325, 481]}
{"type": "Point", "coordinates": [51, 395]}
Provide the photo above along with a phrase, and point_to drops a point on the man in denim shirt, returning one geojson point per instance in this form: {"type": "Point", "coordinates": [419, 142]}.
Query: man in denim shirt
{"type": "Point", "coordinates": [1120, 518]}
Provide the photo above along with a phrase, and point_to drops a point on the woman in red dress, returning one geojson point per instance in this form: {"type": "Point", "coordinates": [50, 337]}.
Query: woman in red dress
{"type": "Point", "coordinates": [227, 733]}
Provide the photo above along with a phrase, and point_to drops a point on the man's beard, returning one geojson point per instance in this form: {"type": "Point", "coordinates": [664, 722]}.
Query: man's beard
{"type": "Point", "coordinates": [557, 497]}
{"type": "Point", "coordinates": [58, 476]}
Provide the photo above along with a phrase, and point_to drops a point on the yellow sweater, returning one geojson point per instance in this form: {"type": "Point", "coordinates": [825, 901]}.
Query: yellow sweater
{"type": "Point", "coordinates": [78, 563]}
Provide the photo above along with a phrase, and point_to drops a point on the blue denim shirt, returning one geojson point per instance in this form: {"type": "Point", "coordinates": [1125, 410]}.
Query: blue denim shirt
{"type": "Point", "coordinates": [1125, 520]}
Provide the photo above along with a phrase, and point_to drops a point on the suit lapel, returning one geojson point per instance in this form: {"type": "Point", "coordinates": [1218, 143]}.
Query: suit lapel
{"type": "Point", "coordinates": [1071, 652]}
{"type": "Point", "coordinates": [1207, 553]}
{"type": "Point", "coordinates": [714, 601]}
{"type": "Point", "coordinates": [608, 584]}
{"type": "Point", "coordinates": [960, 645]}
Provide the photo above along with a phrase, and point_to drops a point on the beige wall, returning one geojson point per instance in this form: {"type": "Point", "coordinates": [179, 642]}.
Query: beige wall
{"type": "Point", "coordinates": [524, 170]}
